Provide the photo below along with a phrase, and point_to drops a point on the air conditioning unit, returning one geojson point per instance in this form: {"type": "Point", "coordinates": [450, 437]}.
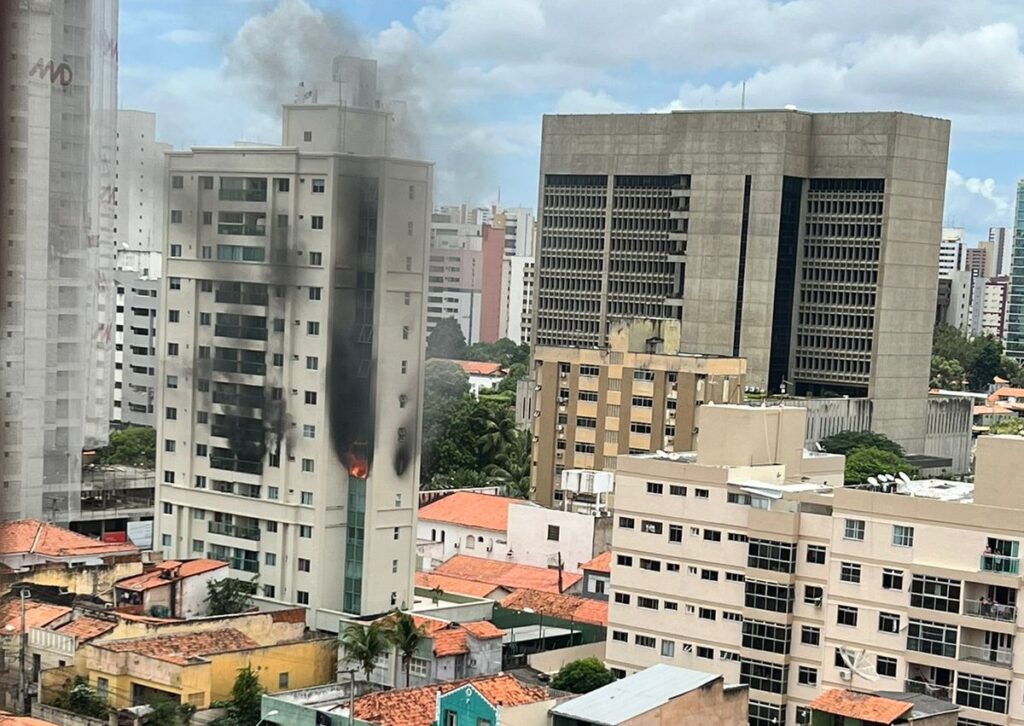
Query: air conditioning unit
{"type": "Point", "coordinates": [845, 674]}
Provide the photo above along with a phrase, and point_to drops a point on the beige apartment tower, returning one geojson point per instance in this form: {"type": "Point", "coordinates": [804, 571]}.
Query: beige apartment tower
{"type": "Point", "coordinates": [749, 557]}
{"type": "Point", "coordinates": [640, 394]}
{"type": "Point", "coordinates": [805, 243]}
{"type": "Point", "coordinates": [291, 349]}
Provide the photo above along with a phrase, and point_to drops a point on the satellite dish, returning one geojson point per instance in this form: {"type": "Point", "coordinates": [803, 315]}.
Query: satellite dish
{"type": "Point", "coordinates": [872, 481]}
{"type": "Point", "coordinates": [904, 477]}
{"type": "Point", "coordinates": [858, 662]}
{"type": "Point", "coordinates": [818, 447]}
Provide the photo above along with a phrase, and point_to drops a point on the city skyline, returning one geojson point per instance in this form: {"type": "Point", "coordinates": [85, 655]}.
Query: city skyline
{"type": "Point", "coordinates": [483, 93]}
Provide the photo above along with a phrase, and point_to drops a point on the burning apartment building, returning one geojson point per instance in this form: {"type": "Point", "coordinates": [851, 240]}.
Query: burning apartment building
{"type": "Point", "coordinates": [291, 351]}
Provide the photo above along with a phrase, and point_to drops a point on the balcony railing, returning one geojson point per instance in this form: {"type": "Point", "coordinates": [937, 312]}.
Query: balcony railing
{"type": "Point", "coordinates": [991, 611]}
{"type": "Point", "coordinates": [1000, 564]}
{"type": "Point", "coordinates": [986, 654]}
{"type": "Point", "coordinates": [247, 230]}
{"type": "Point", "coordinates": [243, 195]}
{"type": "Point", "coordinates": [944, 693]}
{"type": "Point", "coordinates": [236, 563]}
{"type": "Point", "coordinates": [237, 331]}
{"type": "Point", "coordinates": [234, 530]}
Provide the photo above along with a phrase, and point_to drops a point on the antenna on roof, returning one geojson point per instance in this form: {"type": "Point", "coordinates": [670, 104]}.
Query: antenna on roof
{"type": "Point", "coordinates": [858, 662]}
{"type": "Point", "coordinates": [743, 97]}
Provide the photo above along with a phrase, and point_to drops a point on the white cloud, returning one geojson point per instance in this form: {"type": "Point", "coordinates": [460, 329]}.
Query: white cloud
{"type": "Point", "coordinates": [185, 36]}
{"type": "Point", "coordinates": [579, 100]}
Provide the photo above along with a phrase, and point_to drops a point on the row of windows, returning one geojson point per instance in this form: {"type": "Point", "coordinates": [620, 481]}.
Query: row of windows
{"type": "Point", "coordinates": [668, 648]}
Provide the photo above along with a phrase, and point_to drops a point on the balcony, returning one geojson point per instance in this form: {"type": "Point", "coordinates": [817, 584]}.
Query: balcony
{"type": "Point", "coordinates": [934, 690]}
{"type": "Point", "coordinates": [234, 530]}
{"type": "Point", "coordinates": [1000, 564]}
{"type": "Point", "coordinates": [236, 563]}
{"type": "Point", "coordinates": [243, 195]}
{"type": "Point", "coordinates": [990, 654]}
{"type": "Point", "coordinates": [248, 230]}
{"type": "Point", "coordinates": [990, 611]}
{"type": "Point", "coordinates": [238, 331]}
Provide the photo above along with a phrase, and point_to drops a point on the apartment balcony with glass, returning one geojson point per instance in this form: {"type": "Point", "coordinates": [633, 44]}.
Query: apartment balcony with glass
{"type": "Point", "coordinates": [243, 189]}
{"type": "Point", "coordinates": [1001, 556]}
{"type": "Point", "coordinates": [253, 224]}
{"type": "Point", "coordinates": [998, 603]}
{"type": "Point", "coordinates": [237, 559]}
{"type": "Point", "coordinates": [983, 646]}
{"type": "Point", "coordinates": [231, 526]}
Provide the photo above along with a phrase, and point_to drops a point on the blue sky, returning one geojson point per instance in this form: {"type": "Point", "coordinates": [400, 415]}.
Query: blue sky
{"type": "Point", "coordinates": [479, 74]}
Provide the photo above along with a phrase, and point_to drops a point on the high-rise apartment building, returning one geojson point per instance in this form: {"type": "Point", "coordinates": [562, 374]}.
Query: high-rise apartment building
{"type": "Point", "coordinates": [640, 394]}
{"type": "Point", "coordinates": [58, 296]}
{"type": "Point", "coordinates": [802, 242]}
{"type": "Point", "coordinates": [517, 280]}
{"type": "Point", "coordinates": [291, 349]}
{"type": "Point", "coordinates": [139, 192]}
{"type": "Point", "coordinates": [520, 231]}
{"type": "Point", "coordinates": [951, 250]}
{"type": "Point", "coordinates": [748, 557]}
{"type": "Point", "coordinates": [990, 318]}
{"type": "Point", "coordinates": [999, 250]}
{"type": "Point", "coordinates": [134, 395]}
{"type": "Point", "coordinates": [1015, 307]}
{"type": "Point", "coordinates": [976, 261]}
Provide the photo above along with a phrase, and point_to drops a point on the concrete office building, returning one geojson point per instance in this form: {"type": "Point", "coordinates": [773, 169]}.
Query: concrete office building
{"type": "Point", "coordinates": [802, 242]}
{"type": "Point", "coordinates": [1015, 306]}
{"type": "Point", "coordinates": [291, 358]}
{"type": "Point", "coordinates": [951, 250]}
{"type": "Point", "coordinates": [750, 558]}
{"type": "Point", "coordinates": [638, 395]}
{"type": "Point", "coordinates": [58, 299]}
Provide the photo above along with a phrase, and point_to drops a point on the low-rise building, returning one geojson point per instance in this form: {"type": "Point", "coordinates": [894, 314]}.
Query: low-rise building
{"type": "Point", "coordinates": [27, 543]}
{"type": "Point", "coordinates": [172, 588]}
{"type": "Point", "coordinates": [857, 708]}
{"type": "Point", "coordinates": [117, 498]}
{"type": "Point", "coordinates": [661, 694]}
{"type": "Point", "coordinates": [483, 375]}
{"type": "Point", "coordinates": [473, 576]}
{"type": "Point", "coordinates": [597, 574]}
{"type": "Point", "coordinates": [537, 622]}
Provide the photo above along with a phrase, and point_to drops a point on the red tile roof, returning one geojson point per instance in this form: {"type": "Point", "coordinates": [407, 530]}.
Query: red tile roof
{"type": "Point", "coordinates": [449, 638]}
{"type": "Point", "coordinates": [1006, 392]}
{"type": "Point", "coordinates": [458, 585]}
{"type": "Point", "coordinates": [566, 607]}
{"type": "Point", "coordinates": [32, 536]}
{"type": "Point", "coordinates": [479, 367]}
{"type": "Point", "coordinates": [86, 628]}
{"type": "Point", "coordinates": [508, 575]}
{"type": "Point", "coordinates": [37, 614]}
{"type": "Point", "coordinates": [418, 706]}
{"type": "Point", "coordinates": [864, 706]}
{"type": "Point", "coordinates": [994, 408]}
{"type": "Point", "coordinates": [169, 571]}
{"type": "Point", "coordinates": [180, 647]}
{"type": "Point", "coordinates": [7, 719]}
{"type": "Point", "coordinates": [601, 563]}
{"type": "Point", "coordinates": [470, 509]}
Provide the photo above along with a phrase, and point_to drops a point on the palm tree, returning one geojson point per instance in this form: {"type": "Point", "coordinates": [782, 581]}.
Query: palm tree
{"type": "Point", "coordinates": [364, 644]}
{"type": "Point", "coordinates": [499, 432]}
{"type": "Point", "coordinates": [406, 636]}
{"type": "Point", "coordinates": [512, 466]}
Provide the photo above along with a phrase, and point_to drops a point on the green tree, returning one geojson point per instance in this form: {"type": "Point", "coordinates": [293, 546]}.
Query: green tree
{"type": "Point", "coordinates": [947, 374]}
{"type": "Point", "coordinates": [363, 645]}
{"type": "Point", "coordinates": [512, 466]}
{"type": "Point", "coordinates": [445, 387]}
{"type": "Point", "coordinates": [244, 705]}
{"type": "Point", "coordinates": [499, 432]}
{"type": "Point", "coordinates": [986, 362]}
{"type": "Point", "coordinates": [79, 697]}
{"type": "Point", "coordinates": [229, 595]}
{"type": "Point", "coordinates": [443, 381]}
{"type": "Point", "coordinates": [846, 442]}
{"type": "Point", "coordinates": [446, 340]}
{"type": "Point", "coordinates": [458, 479]}
{"type": "Point", "coordinates": [1011, 371]}
{"type": "Point", "coordinates": [503, 351]}
{"type": "Point", "coordinates": [516, 373]}
{"type": "Point", "coordinates": [871, 461]}
{"type": "Point", "coordinates": [132, 446]}
{"type": "Point", "coordinates": [582, 676]}
{"type": "Point", "coordinates": [1012, 426]}
{"type": "Point", "coordinates": [168, 712]}
{"type": "Point", "coordinates": [405, 635]}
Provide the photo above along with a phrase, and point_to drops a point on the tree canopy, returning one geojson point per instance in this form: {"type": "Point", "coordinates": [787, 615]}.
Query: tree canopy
{"type": "Point", "coordinates": [229, 595]}
{"type": "Point", "coordinates": [244, 705]}
{"type": "Point", "coordinates": [363, 645]}
{"type": "Point", "coordinates": [446, 340]}
{"type": "Point", "coordinates": [582, 676]}
{"type": "Point", "coordinates": [845, 442]}
{"type": "Point", "coordinates": [1014, 426]}
{"type": "Point", "coordinates": [132, 446]}
{"type": "Point", "coordinates": [871, 461]}
{"type": "Point", "coordinates": [77, 696]}
{"type": "Point", "coordinates": [502, 351]}
{"type": "Point", "coordinates": [980, 359]}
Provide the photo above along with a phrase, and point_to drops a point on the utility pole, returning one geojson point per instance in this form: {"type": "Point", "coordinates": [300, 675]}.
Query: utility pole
{"type": "Point", "coordinates": [559, 572]}
{"type": "Point", "coordinates": [22, 695]}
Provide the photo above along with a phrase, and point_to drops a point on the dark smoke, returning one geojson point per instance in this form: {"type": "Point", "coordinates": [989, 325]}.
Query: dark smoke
{"type": "Point", "coordinates": [349, 401]}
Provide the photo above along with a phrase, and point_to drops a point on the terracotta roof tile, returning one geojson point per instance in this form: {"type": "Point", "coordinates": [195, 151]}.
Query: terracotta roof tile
{"type": "Point", "coordinates": [470, 509]}
{"type": "Point", "coordinates": [418, 706]}
{"type": "Point", "coordinates": [1006, 392]}
{"type": "Point", "coordinates": [179, 647]}
{"type": "Point", "coordinates": [165, 573]}
{"type": "Point", "coordinates": [37, 614]}
{"type": "Point", "coordinates": [508, 575]}
{"type": "Point", "coordinates": [30, 535]}
{"type": "Point", "coordinates": [449, 638]}
{"type": "Point", "coordinates": [864, 706]}
{"type": "Point", "coordinates": [566, 607]}
{"type": "Point", "coordinates": [478, 367]}
{"type": "Point", "coordinates": [86, 628]}
{"type": "Point", "coordinates": [601, 563]}
{"type": "Point", "coordinates": [9, 720]}
{"type": "Point", "coordinates": [458, 585]}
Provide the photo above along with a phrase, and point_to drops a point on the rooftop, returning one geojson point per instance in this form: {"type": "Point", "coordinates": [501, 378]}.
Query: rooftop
{"type": "Point", "coordinates": [457, 585]}
{"type": "Point", "coordinates": [470, 509]}
{"type": "Point", "coordinates": [566, 607]}
{"type": "Point", "coordinates": [418, 706]}
{"type": "Point", "coordinates": [169, 571]}
{"type": "Point", "coordinates": [864, 706]}
{"type": "Point", "coordinates": [7, 719]}
{"type": "Point", "coordinates": [634, 695]}
{"type": "Point", "coordinates": [601, 563]}
{"type": "Point", "coordinates": [179, 648]}
{"type": "Point", "coordinates": [508, 575]}
{"type": "Point", "coordinates": [37, 615]}
{"type": "Point", "coordinates": [30, 536]}
{"type": "Point", "coordinates": [449, 638]}
{"type": "Point", "coordinates": [86, 628]}
{"type": "Point", "coordinates": [479, 368]}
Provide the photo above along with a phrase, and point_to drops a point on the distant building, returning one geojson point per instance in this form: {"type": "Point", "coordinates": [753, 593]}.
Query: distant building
{"type": "Point", "coordinates": [29, 542]}
{"type": "Point", "coordinates": [139, 193]}
{"type": "Point", "coordinates": [483, 375]}
{"type": "Point", "coordinates": [517, 281]}
{"type": "Point", "coordinates": [957, 311]}
{"type": "Point", "coordinates": [1000, 248]}
{"type": "Point", "coordinates": [951, 250]}
{"type": "Point", "coordinates": [992, 299]}
{"type": "Point", "coordinates": [135, 355]}
{"type": "Point", "coordinates": [117, 499]}
{"type": "Point", "coordinates": [1015, 306]}
{"type": "Point", "coordinates": [661, 694]}
{"type": "Point", "coordinates": [976, 261]}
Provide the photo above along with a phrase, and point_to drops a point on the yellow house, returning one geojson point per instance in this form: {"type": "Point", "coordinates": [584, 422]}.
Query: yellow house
{"type": "Point", "coordinates": [200, 667]}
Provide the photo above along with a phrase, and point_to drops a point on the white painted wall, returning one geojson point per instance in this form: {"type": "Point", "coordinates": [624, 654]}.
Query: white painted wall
{"type": "Point", "coordinates": [481, 540]}
{"type": "Point", "coordinates": [194, 591]}
{"type": "Point", "coordinates": [528, 536]}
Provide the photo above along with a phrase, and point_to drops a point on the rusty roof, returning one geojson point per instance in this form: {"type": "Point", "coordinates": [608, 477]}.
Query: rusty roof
{"type": "Point", "coordinates": [566, 607]}
{"type": "Point", "coordinates": [32, 536]}
{"type": "Point", "coordinates": [418, 706]}
{"type": "Point", "coordinates": [85, 628]}
{"type": "Point", "coordinates": [471, 509]}
{"type": "Point", "coordinates": [37, 614]}
{"type": "Point", "coordinates": [601, 563]}
{"type": "Point", "coordinates": [169, 571]}
{"type": "Point", "coordinates": [508, 575]}
{"type": "Point", "coordinates": [178, 648]}
{"type": "Point", "coordinates": [865, 706]}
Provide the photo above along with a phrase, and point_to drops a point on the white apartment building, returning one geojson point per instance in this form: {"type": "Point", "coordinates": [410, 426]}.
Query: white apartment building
{"type": "Point", "coordinates": [517, 278]}
{"type": "Point", "coordinates": [520, 231]}
{"type": "Point", "coordinates": [58, 299]}
{"type": "Point", "coordinates": [951, 250]}
{"type": "Point", "coordinates": [291, 346]}
{"type": "Point", "coordinates": [990, 313]}
{"type": "Point", "coordinates": [748, 557]}
{"type": "Point", "coordinates": [134, 395]}
{"type": "Point", "coordinates": [139, 190]}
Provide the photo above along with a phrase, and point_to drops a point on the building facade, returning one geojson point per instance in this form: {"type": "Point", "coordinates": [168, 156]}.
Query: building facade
{"type": "Point", "coordinates": [991, 317]}
{"type": "Point", "coordinates": [638, 395]}
{"type": "Point", "coordinates": [951, 250]}
{"type": "Point", "coordinates": [750, 558]}
{"type": "Point", "coordinates": [135, 355]}
{"type": "Point", "coordinates": [517, 279]}
{"type": "Point", "coordinates": [455, 281]}
{"type": "Point", "coordinates": [139, 192]}
{"type": "Point", "coordinates": [58, 299]}
{"type": "Point", "coordinates": [1015, 306]}
{"type": "Point", "coordinates": [290, 379]}
{"type": "Point", "coordinates": [762, 233]}
{"type": "Point", "coordinates": [999, 246]}
{"type": "Point", "coordinates": [976, 261]}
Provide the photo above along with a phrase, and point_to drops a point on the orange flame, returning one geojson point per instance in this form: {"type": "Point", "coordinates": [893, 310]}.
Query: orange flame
{"type": "Point", "coordinates": [356, 461]}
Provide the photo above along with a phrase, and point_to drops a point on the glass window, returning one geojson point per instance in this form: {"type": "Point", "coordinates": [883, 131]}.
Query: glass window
{"type": "Point", "coordinates": [886, 666]}
{"type": "Point", "coordinates": [846, 615]}
{"type": "Point", "coordinates": [892, 579]}
{"type": "Point", "coordinates": [902, 536]}
{"type": "Point", "coordinates": [816, 554]}
{"type": "Point", "coordinates": [854, 529]}
{"type": "Point", "coordinates": [810, 635]}
{"type": "Point", "coordinates": [850, 572]}
{"type": "Point", "coordinates": [889, 622]}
